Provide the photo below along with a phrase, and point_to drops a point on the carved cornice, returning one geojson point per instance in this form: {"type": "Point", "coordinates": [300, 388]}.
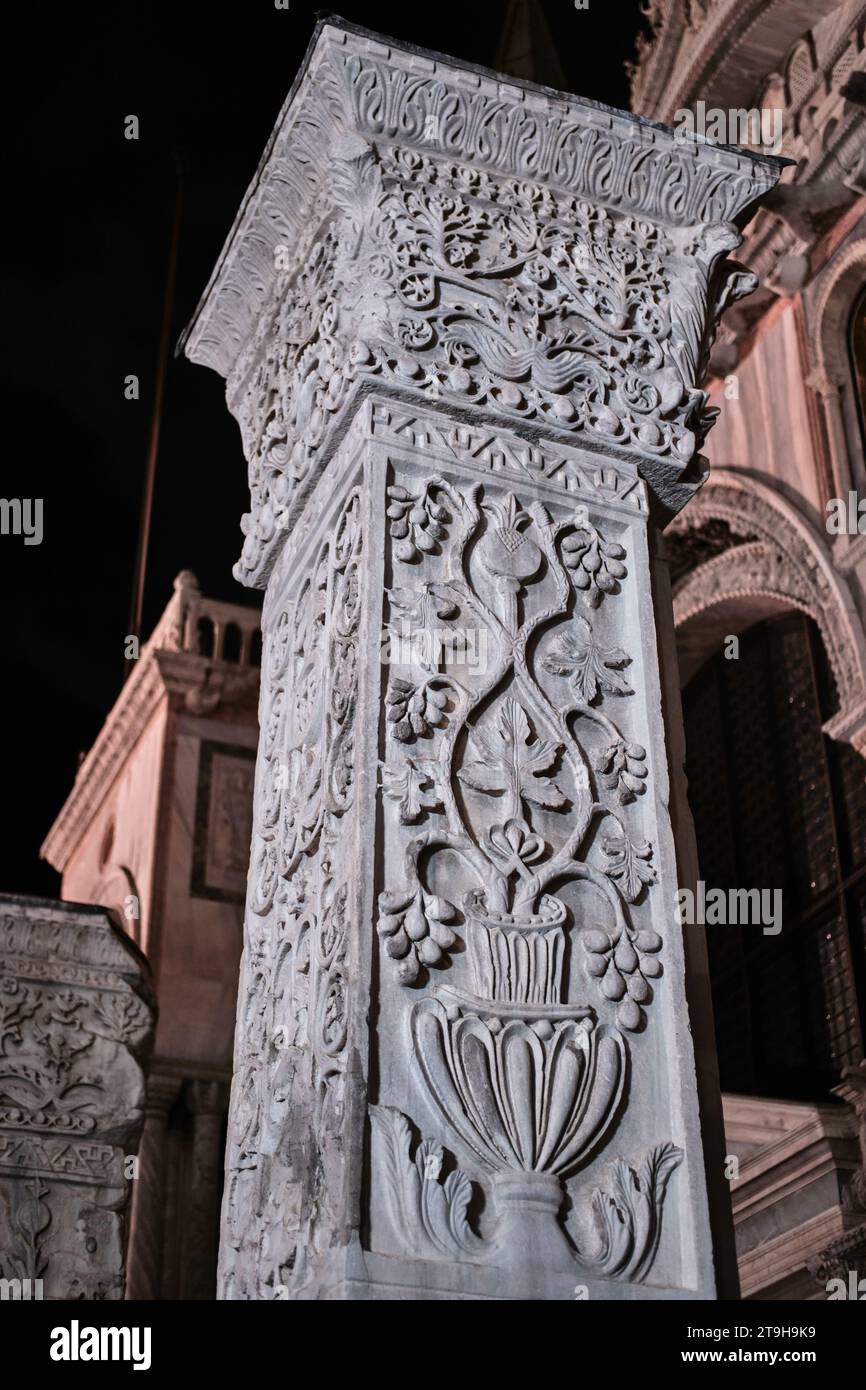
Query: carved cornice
{"type": "Point", "coordinates": [717, 50]}
{"type": "Point", "coordinates": [354, 81]}
{"type": "Point", "coordinates": [802, 59]}
{"type": "Point", "coordinates": [66, 937]}
{"type": "Point", "coordinates": [168, 666]}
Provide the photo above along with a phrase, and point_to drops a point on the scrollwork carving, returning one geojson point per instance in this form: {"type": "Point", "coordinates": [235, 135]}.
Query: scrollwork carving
{"type": "Point", "coordinates": [538, 305]}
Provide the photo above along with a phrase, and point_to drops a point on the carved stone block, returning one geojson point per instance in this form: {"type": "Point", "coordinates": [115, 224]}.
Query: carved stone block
{"type": "Point", "coordinates": [76, 1019]}
{"type": "Point", "coordinates": [463, 325]}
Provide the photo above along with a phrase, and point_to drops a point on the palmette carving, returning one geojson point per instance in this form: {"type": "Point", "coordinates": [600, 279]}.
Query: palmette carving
{"type": "Point", "coordinates": [517, 751]}
{"type": "Point", "coordinates": [528, 1094]}
{"type": "Point", "coordinates": [628, 1216]}
{"type": "Point", "coordinates": [425, 1212]}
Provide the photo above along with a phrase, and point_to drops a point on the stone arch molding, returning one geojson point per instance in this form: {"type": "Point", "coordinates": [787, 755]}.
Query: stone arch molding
{"type": "Point", "coordinates": [833, 309]}
{"type": "Point", "coordinates": [780, 565]}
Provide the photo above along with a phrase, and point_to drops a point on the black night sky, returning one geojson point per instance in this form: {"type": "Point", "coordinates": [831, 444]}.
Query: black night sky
{"type": "Point", "coordinates": [88, 215]}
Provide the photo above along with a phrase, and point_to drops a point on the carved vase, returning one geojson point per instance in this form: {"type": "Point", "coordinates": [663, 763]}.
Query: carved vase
{"type": "Point", "coordinates": [530, 1084]}
{"type": "Point", "coordinates": [517, 958]}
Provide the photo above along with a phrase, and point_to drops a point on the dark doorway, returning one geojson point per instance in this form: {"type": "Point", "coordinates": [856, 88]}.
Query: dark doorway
{"type": "Point", "coordinates": [778, 805]}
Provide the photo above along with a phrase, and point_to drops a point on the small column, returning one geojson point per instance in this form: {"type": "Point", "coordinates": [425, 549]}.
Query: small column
{"type": "Point", "coordinates": [830, 394]}
{"type": "Point", "coordinates": [208, 1102]}
{"type": "Point", "coordinates": [463, 325]}
{"type": "Point", "coordinates": [146, 1230]}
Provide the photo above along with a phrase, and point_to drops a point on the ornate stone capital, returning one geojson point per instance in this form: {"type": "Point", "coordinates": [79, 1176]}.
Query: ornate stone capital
{"type": "Point", "coordinates": [455, 237]}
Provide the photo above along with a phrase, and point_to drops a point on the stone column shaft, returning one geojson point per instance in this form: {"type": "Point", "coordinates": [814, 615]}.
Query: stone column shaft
{"type": "Point", "coordinates": [207, 1101]}
{"type": "Point", "coordinates": [463, 324]}
{"type": "Point", "coordinates": [144, 1278]}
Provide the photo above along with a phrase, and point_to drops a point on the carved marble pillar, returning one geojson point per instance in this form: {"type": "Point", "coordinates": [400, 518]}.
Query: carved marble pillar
{"type": "Point", "coordinates": [463, 324]}
{"type": "Point", "coordinates": [76, 1023]}
{"type": "Point", "coordinates": [146, 1228]}
{"type": "Point", "coordinates": [207, 1102]}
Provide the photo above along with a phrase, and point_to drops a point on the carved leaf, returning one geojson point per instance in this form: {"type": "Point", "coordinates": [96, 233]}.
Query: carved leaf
{"type": "Point", "coordinates": [509, 759]}
{"type": "Point", "coordinates": [628, 864]}
{"type": "Point", "coordinates": [590, 668]}
{"type": "Point", "coordinates": [629, 1216]}
{"type": "Point", "coordinates": [428, 1217]}
{"type": "Point", "coordinates": [412, 788]}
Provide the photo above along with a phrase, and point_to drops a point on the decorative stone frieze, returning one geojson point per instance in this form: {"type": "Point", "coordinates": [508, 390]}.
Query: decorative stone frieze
{"type": "Point", "coordinates": [802, 59]}
{"type": "Point", "coordinates": [76, 1021]}
{"type": "Point", "coordinates": [463, 324]}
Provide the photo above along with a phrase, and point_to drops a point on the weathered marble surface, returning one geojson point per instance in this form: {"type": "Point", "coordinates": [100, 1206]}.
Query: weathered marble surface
{"type": "Point", "coordinates": [76, 1022]}
{"type": "Point", "coordinates": [463, 325]}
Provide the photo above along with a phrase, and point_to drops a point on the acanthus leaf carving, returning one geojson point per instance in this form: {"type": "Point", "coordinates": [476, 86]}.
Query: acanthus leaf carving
{"type": "Point", "coordinates": [510, 759]}
{"type": "Point", "coordinates": [629, 1215]}
{"type": "Point", "coordinates": [413, 787]}
{"type": "Point", "coordinates": [429, 1214]}
{"type": "Point", "coordinates": [628, 864]}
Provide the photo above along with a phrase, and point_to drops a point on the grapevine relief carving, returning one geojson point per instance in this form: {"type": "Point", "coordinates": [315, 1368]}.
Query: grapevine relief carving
{"type": "Point", "coordinates": [509, 773]}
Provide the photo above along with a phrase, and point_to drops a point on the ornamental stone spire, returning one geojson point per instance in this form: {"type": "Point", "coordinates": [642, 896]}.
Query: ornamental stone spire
{"type": "Point", "coordinates": [463, 324]}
